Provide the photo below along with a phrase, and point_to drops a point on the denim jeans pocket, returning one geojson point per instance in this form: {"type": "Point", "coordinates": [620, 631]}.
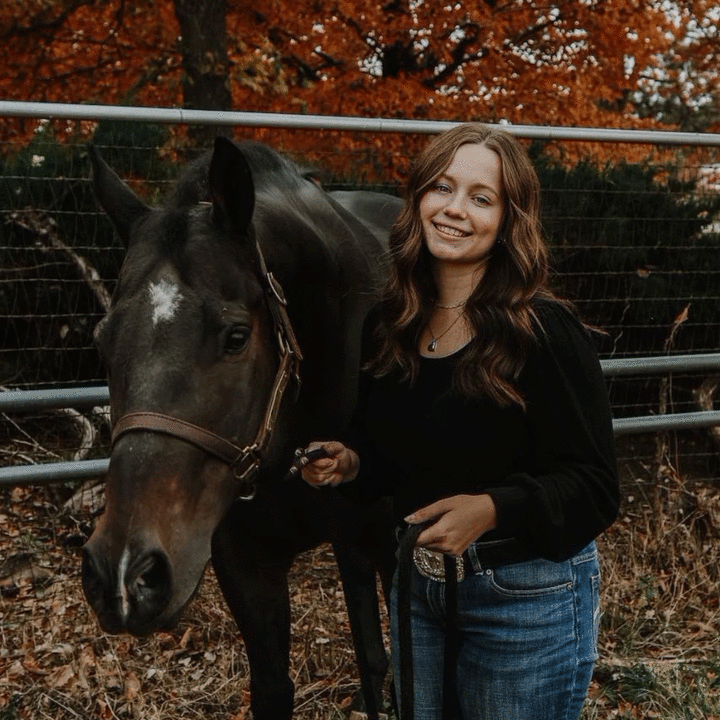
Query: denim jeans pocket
{"type": "Point", "coordinates": [544, 577]}
{"type": "Point", "coordinates": [532, 578]}
{"type": "Point", "coordinates": [588, 579]}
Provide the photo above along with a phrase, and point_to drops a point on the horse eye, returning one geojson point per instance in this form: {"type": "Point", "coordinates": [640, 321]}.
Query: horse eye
{"type": "Point", "coordinates": [237, 339]}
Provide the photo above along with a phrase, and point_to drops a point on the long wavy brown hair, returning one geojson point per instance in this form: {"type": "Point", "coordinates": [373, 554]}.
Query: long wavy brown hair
{"type": "Point", "coordinates": [499, 309]}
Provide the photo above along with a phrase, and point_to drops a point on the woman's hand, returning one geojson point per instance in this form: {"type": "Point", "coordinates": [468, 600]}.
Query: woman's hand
{"type": "Point", "coordinates": [459, 521]}
{"type": "Point", "coordinates": [341, 465]}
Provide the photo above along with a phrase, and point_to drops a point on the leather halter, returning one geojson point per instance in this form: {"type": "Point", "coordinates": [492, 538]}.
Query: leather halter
{"type": "Point", "coordinates": [244, 461]}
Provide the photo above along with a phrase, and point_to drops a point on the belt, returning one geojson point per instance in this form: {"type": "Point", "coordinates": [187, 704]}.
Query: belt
{"type": "Point", "coordinates": [491, 554]}
{"type": "Point", "coordinates": [480, 556]}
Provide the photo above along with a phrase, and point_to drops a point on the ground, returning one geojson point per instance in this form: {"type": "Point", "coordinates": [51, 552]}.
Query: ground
{"type": "Point", "coordinates": [659, 656]}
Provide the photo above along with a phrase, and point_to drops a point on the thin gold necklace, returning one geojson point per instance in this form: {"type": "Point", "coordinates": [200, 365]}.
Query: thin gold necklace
{"type": "Point", "coordinates": [451, 307]}
{"type": "Point", "coordinates": [432, 345]}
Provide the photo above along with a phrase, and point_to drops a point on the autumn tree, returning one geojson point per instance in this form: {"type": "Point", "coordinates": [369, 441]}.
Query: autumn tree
{"type": "Point", "coordinates": [682, 88]}
{"type": "Point", "coordinates": [567, 62]}
{"type": "Point", "coordinates": [89, 51]}
{"type": "Point", "coordinates": [203, 40]}
{"type": "Point", "coordinates": [523, 62]}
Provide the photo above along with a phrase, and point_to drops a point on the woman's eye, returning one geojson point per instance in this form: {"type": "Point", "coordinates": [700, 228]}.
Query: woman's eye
{"type": "Point", "coordinates": [237, 339]}
{"type": "Point", "coordinates": [482, 200]}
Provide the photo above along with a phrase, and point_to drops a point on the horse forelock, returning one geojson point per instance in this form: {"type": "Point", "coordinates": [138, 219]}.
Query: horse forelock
{"type": "Point", "coordinates": [183, 263]}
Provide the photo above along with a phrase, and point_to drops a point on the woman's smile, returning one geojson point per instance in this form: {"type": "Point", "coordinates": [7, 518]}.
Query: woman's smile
{"type": "Point", "coordinates": [463, 208]}
{"type": "Point", "coordinates": [453, 232]}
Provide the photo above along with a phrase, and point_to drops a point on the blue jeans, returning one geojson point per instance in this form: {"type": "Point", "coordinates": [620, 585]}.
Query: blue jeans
{"type": "Point", "coordinates": [528, 639]}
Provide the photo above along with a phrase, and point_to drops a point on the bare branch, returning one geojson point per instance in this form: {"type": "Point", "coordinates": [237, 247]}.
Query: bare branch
{"type": "Point", "coordinates": [45, 228]}
{"type": "Point", "coordinates": [459, 53]}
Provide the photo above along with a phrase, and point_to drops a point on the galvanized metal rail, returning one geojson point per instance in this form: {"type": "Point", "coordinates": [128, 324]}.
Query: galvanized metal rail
{"type": "Point", "coordinates": [29, 400]}
{"type": "Point", "coordinates": [67, 111]}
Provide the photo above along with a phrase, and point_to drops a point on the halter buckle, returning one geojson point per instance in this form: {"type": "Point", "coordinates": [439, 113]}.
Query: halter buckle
{"type": "Point", "coordinates": [245, 470]}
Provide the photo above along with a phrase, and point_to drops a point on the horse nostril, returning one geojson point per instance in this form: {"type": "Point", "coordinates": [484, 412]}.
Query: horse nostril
{"type": "Point", "coordinates": [131, 595]}
{"type": "Point", "coordinates": [152, 577]}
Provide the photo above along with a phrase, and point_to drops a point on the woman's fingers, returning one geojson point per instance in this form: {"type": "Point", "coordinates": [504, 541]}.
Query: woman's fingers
{"type": "Point", "coordinates": [333, 448]}
{"type": "Point", "coordinates": [335, 468]}
{"type": "Point", "coordinates": [458, 521]}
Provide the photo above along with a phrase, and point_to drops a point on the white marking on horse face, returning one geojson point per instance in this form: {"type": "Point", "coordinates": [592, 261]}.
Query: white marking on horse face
{"type": "Point", "coordinates": [165, 299]}
{"type": "Point", "coordinates": [122, 589]}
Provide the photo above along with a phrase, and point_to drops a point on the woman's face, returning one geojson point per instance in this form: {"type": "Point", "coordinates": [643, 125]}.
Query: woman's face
{"type": "Point", "coordinates": [461, 212]}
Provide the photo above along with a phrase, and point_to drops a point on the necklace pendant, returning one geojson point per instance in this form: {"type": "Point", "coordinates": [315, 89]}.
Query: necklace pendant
{"type": "Point", "coordinates": [431, 347]}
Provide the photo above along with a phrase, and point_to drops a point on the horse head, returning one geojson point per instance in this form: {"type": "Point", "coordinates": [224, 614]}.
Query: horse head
{"type": "Point", "coordinates": [192, 351]}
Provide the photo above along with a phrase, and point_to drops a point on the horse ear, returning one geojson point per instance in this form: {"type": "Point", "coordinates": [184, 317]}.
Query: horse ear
{"type": "Point", "coordinates": [231, 184]}
{"type": "Point", "coordinates": [120, 203]}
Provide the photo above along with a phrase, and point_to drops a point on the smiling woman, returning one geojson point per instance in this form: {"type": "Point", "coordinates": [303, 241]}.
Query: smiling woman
{"type": "Point", "coordinates": [483, 413]}
{"type": "Point", "coordinates": [461, 215]}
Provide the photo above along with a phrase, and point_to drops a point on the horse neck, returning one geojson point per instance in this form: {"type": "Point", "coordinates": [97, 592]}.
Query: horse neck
{"type": "Point", "coordinates": [327, 280]}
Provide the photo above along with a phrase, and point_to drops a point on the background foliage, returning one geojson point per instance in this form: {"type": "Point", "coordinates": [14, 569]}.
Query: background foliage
{"type": "Point", "coordinates": [607, 63]}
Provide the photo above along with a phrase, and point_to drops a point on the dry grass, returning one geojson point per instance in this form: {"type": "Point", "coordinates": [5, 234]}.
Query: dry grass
{"type": "Point", "coordinates": [659, 653]}
{"type": "Point", "coordinates": [658, 645]}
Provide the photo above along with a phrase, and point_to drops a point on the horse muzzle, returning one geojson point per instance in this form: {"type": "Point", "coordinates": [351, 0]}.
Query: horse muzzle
{"type": "Point", "coordinates": [134, 595]}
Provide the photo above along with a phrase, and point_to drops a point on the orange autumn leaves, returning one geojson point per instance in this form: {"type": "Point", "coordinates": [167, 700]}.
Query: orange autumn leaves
{"type": "Point", "coordinates": [568, 63]}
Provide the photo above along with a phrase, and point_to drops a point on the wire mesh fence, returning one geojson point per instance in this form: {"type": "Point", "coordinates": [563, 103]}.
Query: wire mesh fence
{"type": "Point", "coordinates": [634, 241]}
{"type": "Point", "coordinates": [634, 244]}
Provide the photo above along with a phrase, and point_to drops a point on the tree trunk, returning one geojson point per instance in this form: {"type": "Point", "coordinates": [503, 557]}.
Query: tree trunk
{"type": "Point", "coordinates": [206, 84]}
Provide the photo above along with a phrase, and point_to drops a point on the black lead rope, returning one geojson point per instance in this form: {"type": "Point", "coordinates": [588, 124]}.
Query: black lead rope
{"type": "Point", "coordinates": [452, 632]}
{"type": "Point", "coordinates": [302, 458]}
{"type": "Point", "coordinates": [450, 709]}
{"type": "Point", "coordinates": [405, 563]}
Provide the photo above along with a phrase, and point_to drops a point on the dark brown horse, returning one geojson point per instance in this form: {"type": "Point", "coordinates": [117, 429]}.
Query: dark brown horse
{"type": "Point", "coordinates": [248, 266]}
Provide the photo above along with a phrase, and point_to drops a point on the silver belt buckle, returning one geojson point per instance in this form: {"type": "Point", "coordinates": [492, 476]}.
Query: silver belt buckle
{"type": "Point", "coordinates": [431, 564]}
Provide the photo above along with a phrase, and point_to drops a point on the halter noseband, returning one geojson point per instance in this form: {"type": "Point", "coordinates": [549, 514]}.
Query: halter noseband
{"type": "Point", "coordinates": [244, 461]}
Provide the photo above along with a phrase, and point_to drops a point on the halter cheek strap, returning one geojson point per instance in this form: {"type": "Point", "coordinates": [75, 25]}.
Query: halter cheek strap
{"type": "Point", "coordinates": [244, 461]}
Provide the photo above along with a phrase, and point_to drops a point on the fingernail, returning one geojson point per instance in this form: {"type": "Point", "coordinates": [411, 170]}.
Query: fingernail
{"type": "Point", "coordinates": [410, 519]}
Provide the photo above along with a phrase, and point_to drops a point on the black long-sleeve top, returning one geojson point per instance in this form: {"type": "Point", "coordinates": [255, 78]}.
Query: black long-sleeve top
{"type": "Point", "coordinates": [550, 469]}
